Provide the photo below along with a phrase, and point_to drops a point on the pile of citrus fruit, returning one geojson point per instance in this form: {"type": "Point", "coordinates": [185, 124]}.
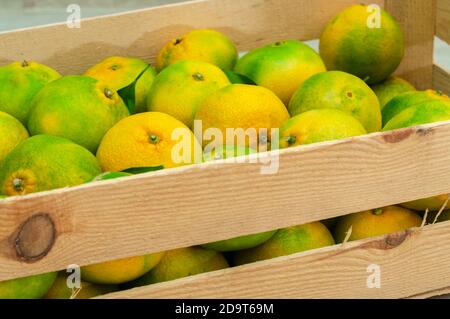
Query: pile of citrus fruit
{"type": "Point", "coordinates": [119, 118]}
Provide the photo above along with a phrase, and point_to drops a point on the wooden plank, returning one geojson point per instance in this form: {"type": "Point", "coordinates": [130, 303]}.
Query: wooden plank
{"type": "Point", "coordinates": [410, 263]}
{"type": "Point", "coordinates": [417, 19]}
{"type": "Point", "coordinates": [142, 33]}
{"type": "Point", "coordinates": [438, 293]}
{"type": "Point", "coordinates": [443, 20]}
{"type": "Point", "coordinates": [441, 79]}
{"type": "Point", "coordinates": [180, 207]}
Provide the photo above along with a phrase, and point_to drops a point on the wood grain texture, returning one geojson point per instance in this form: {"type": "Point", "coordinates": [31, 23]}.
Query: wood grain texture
{"type": "Point", "coordinates": [410, 262]}
{"type": "Point", "coordinates": [441, 79]}
{"type": "Point", "coordinates": [443, 20]}
{"type": "Point", "coordinates": [417, 19]}
{"type": "Point", "coordinates": [142, 33]}
{"type": "Point", "coordinates": [215, 201]}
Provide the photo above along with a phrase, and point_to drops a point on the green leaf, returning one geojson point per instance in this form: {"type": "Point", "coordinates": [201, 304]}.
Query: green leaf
{"type": "Point", "coordinates": [238, 78]}
{"type": "Point", "coordinates": [141, 170]}
{"type": "Point", "coordinates": [128, 93]}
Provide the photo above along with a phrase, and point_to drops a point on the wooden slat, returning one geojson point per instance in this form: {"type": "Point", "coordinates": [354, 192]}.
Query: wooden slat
{"type": "Point", "coordinates": [418, 20]}
{"type": "Point", "coordinates": [443, 20]}
{"type": "Point", "coordinates": [411, 263]}
{"type": "Point", "coordinates": [142, 33]}
{"type": "Point", "coordinates": [441, 79]}
{"type": "Point", "coordinates": [214, 201]}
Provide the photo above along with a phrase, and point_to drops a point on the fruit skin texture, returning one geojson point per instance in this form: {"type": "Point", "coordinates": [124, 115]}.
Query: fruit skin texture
{"type": "Point", "coordinates": [281, 67]}
{"type": "Point", "coordinates": [201, 45]}
{"type": "Point", "coordinates": [408, 99]}
{"type": "Point", "coordinates": [33, 287]}
{"type": "Point", "coordinates": [129, 143]}
{"type": "Point", "coordinates": [242, 106]}
{"type": "Point", "coordinates": [319, 126]}
{"type": "Point", "coordinates": [391, 88]}
{"type": "Point", "coordinates": [342, 91]}
{"type": "Point", "coordinates": [371, 53]}
{"type": "Point", "coordinates": [119, 72]}
{"type": "Point", "coordinates": [288, 241]}
{"type": "Point", "coordinates": [19, 83]}
{"type": "Point", "coordinates": [422, 113]}
{"type": "Point", "coordinates": [120, 271]}
{"type": "Point", "coordinates": [432, 203]}
{"type": "Point", "coordinates": [180, 263]}
{"type": "Point", "coordinates": [376, 222]}
{"type": "Point", "coordinates": [59, 290]}
{"type": "Point", "coordinates": [77, 108]}
{"type": "Point", "coordinates": [12, 133]}
{"type": "Point", "coordinates": [240, 243]}
{"type": "Point", "coordinates": [181, 88]}
{"type": "Point", "coordinates": [45, 162]}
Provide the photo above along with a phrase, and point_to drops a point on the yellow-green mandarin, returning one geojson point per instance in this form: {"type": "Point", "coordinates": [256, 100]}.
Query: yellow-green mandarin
{"type": "Point", "coordinates": [181, 263]}
{"type": "Point", "coordinates": [12, 132]}
{"type": "Point", "coordinates": [319, 126]}
{"type": "Point", "coordinates": [338, 90]}
{"type": "Point", "coordinates": [120, 72]}
{"type": "Point", "coordinates": [19, 83]}
{"type": "Point", "coordinates": [431, 203]}
{"type": "Point", "coordinates": [240, 243]}
{"type": "Point", "coordinates": [33, 287]}
{"type": "Point", "coordinates": [60, 290]}
{"type": "Point", "coordinates": [79, 108]}
{"type": "Point", "coordinates": [181, 88]}
{"type": "Point", "coordinates": [120, 271]}
{"type": "Point", "coordinates": [408, 99]}
{"type": "Point", "coordinates": [45, 162]}
{"type": "Point", "coordinates": [288, 241]}
{"type": "Point", "coordinates": [201, 45]}
{"type": "Point", "coordinates": [353, 42]}
{"type": "Point", "coordinates": [376, 222]}
{"type": "Point", "coordinates": [281, 67]}
{"type": "Point", "coordinates": [422, 113]}
{"type": "Point", "coordinates": [241, 106]}
{"type": "Point", "coordinates": [390, 88]}
{"type": "Point", "coordinates": [146, 140]}
{"type": "Point", "coordinates": [226, 151]}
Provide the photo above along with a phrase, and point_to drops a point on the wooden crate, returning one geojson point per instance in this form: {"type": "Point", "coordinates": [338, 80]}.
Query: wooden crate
{"type": "Point", "coordinates": [167, 209]}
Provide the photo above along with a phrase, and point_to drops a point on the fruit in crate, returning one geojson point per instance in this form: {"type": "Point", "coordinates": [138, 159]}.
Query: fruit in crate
{"type": "Point", "coordinates": [288, 241]}
{"type": "Point", "coordinates": [376, 222]}
{"type": "Point", "coordinates": [242, 106]}
{"type": "Point", "coordinates": [281, 67]}
{"type": "Point", "coordinates": [201, 45]}
{"type": "Point", "coordinates": [240, 243]}
{"type": "Point", "coordinates": [390, 88]}
{"type": "Point", "coordinates": [338, 90]}
{"type": "Point", "coordinates": [32, 287]}
{"type": "Point", "coordinates": [432, 203]}
{"type": "Point", "coordinates": [319, 126]}
{"type": "Point", "coordinates": [19, 83]}
{"type": "Point", "coordinates": [226, 151]}
{"type": "Point", "coordinates": [181, 88]}
{"type": "Point", "coordinates": [181, 263]}
{"type": "Point", "coordinates": [120, 271]}
{"type": "Point", "coordinates": [131, 78]}
{"type": "Point", "coordinates": [145, 140]}
{"type": "Point", "coordinates": [409, 99]}
{"type": "Point", "coordinates": [45, 162]}
{"type": "Point", "coordinates": [79, 108]}
{"type": "Point", "coordinates": [60, 290]}
{"type": "Point", "coordinates": [12, 133]}
{"type": "Point", "coordinates": [365, 41]}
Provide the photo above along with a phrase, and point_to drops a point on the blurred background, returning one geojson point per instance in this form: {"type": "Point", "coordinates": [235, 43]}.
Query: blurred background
{"type": "Point", "coordinates": [16, 14]}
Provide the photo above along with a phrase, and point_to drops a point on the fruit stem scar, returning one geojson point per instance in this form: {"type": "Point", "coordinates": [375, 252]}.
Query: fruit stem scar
{"type": "Point", "coordinates": [18, 184]}
{"type": "Point", "coordinates": [153, 138]}
{"type": "Point", "coordinates": [291, 139]}
{"type": "Point", "coordinates": [25, 63]}
{"type": "Point", "coordinates": [198, 76]}
{"type": "Point", "coordinates": [178, 41]}
{"type": "Point", "coordinates": [378, 211]}
{"type": "Point", "coordinates": [349, 94]}
{"type": "Point", "coordinates": [114, 67]}
{"type": "Point", "coordinates": [108, 93]}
